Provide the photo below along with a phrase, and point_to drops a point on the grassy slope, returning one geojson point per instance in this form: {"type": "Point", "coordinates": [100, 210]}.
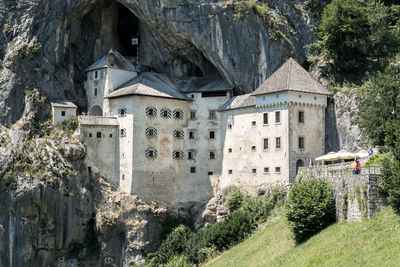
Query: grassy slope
{"type": "Point", "coordinates": [375, 242]}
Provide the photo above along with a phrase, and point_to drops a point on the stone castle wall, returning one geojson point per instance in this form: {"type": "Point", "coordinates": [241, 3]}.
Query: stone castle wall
{"type": "Point", "coordinates": [357, 196]}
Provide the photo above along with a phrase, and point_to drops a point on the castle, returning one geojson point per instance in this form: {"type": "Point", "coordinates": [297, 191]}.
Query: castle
{"type": "Point", "coordinates": [181, 141]}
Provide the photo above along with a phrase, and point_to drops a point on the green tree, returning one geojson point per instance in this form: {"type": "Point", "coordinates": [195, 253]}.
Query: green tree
{"type": "Point", "coordinates": [310, 208]}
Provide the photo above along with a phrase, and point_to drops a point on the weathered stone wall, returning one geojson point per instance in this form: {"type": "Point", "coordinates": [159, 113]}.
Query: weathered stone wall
{"type": "Point", "coordinates": [357, 196]}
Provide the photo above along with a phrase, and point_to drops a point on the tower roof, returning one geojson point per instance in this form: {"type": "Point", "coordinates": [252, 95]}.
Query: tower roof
{"type": "Point", "coordinates": [291, 76]}
{"type": "Point", "coordinates": [120, 62]}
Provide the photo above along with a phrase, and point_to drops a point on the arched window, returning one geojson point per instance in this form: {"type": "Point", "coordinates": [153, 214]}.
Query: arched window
{"type": "Point", "coordinates": [96, 110]}
{"type": "Point", "coordinates": [299, 163]}
{"type": "Point", "coordinates": [178, 114]}
{"type": "Point", "coordinates": [165, 113]}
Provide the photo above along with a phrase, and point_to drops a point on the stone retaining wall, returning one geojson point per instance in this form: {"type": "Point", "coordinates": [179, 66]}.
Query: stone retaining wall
{"type": "Point", "coordinates": [357, 196]}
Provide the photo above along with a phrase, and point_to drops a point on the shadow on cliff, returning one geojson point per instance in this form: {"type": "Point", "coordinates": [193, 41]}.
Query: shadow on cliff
{"type": "Point", "coordinates": [332, 141]}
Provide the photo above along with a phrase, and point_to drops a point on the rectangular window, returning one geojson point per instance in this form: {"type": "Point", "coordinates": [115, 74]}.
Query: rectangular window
{"type": "Point", "coordinates": [192, 95]}
{"type": "Point", "coordinates": [192, 115]}
{"type": "Point", "coordinates": [277, 169]}
{"type": "Point", "coordinates": [265, 118]}
{"type": "Point", "coordinates": [212, 115]}
{"type": "Point", "coordinates": [191, 135]}
{"type": "Point", "coordinates": [110, 135]}
{"type": "Point", "coordinates": [89, 170]}
{"type": "Point", "coordinates": [212, 135]}
{"type": "Point", "coordinates": [151, 153]}
{"type": "Point", "coordinates": [90, 135]}
{"type": "Point", "coordinates": [212, 155]}
{"type": "Point", "coordinates": [265, 143]}
{"type": "Point", "coordinates": [254, 170]}
{"type": "Point", "coordinates": [278, 142]}
{"type": "Point", "coordinates": [266, 170]}
{"type": "Point", "coordinates": [277, 116]}
{"type": "Point", "coordinates": [212, 94]}
{"type": "Point", "coordinates": [192, 169]}
{"type": "Point", "coordinates": [253, 148]}
{"type": "Point", "coordinates": [301, 142]}
{"type": "Point", "coordinates": [230, 171]}
{"type": "Point", "coordinates": [229, 126]}
{"type": "Point", "coordinates": [96, 75]}
{"type": "Point", "coordinates": [210, 173]}
{"type": "Point", "coordinates": [95, 91]}
{"type": "Point", "coordinates": [253, 123]}
{"type": "Point", "coordinates": [301, 116]}
{"type": "Point", "coordinates": [190, 154]}
{"type": "Point", "coordinates": [230, 150]}
{"type": "Point", "coordinates": [63, 113]}
{"type": "Point", "coordinates": [98, 134]}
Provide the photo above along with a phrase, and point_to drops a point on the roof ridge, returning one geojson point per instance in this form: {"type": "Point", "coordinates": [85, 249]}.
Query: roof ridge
{"type": "Point", "coordinates": [289, 73]}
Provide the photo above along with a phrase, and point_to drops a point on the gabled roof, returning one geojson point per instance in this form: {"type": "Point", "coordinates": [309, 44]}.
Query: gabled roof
{"type": "Point", "coordinates": [199, 85]}
{"type": "Point", "coordinates": [149, 84]}
{"type": "Point", "coordinates": [291, 76]}
{"type": "Point", "coordinates": [239, 101]}
{"type": "Point", "coordinates": [119, 62]}
{"type": "Point", "coordinates": [63, 104]}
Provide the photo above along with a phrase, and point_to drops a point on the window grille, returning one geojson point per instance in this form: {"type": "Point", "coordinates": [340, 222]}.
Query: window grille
{"type": "Point", "coordinates": [277, 117]}
{"type": "Point", "coordinates": [265, 145]}
{"type": "Point", "coordinates": [151, 112]}
{"type": "Point", "coordinates": [192, 115]}
{"type": "Point", "coordinates": [178, 155]}
{"type": "Point", "coordinates": [212, 155]}
{"type": "Point", "coordinates": [98, 134]}
{"type": "Point", "coordinates": [151, 153]}
{"type": "Point", "coordinates": [212, 115]}
{"type": "Point", "coordinates": [165, 113]}
{"type": "Point", "coordinates": [151, 132]}
{"type": "Point", "coordinates": [122, 111]}
{"type": "Point", "coordinates": [178, 114]}
{"type": "Point", "coordinates": [178, 134]}
{"type": "Point", "coordinates": [278, 142]}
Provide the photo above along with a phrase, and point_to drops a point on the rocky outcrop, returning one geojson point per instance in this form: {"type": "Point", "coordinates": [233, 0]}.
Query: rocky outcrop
{"type": "Point", "coordinates": [47, 44]}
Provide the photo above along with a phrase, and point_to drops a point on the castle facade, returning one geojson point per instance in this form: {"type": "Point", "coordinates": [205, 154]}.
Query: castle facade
{"type": "Point", "coordinates": [181, 141]}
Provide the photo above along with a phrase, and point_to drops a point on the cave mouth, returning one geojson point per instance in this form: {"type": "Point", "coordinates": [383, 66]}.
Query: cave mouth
{"type": "Point", "coordinates": [127, 31]}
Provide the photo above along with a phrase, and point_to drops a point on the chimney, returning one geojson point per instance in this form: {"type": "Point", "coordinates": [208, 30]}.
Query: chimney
{"type": "Point", "coordinates": [111, 57]}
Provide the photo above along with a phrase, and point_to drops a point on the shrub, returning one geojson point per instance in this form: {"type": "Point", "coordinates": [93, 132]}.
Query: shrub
{"type": "Point", "coordinates": [234, 199]}
{"type": "Point", "coordinates": [174, 244]}
{"type": "Point", "coordinates": [310, 208]}
{"type": "Point", "coordinates": [229, 231]}
{"type": "Point", "coordinates": [179, 261]}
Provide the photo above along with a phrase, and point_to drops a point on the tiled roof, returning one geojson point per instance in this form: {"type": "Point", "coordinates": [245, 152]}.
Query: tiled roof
{"type": "Point", "coordinates": [119, 63]}
{"type": "Point", "coordinates": [149, 84]}
{"type": "Point", "coordinates": [291, 76]}
{"type": "Point", "coordinates": [239, 101]}
{"type": "Point", "coordinates": [63, 104]}
{"type": "Point", "coordinates": [203, 85]}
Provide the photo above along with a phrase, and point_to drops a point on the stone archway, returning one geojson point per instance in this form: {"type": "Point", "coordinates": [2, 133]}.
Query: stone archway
{"type": "Point", "coordinates": [96, 111]}
{"type": "Point", "coordinates": [299, 163]}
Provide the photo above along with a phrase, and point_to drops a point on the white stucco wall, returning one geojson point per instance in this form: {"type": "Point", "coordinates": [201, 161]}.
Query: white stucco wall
{"type": "Point", "coordinates": [91, 83]}
{"type": "Point", "coordinates": [102, 153]}
{"type": "Point", "coordinates": [57, 114]}
{"type": "Point", "coordinates": [117, 77]}
{"type": "Point", "coordinates": [242, 136]}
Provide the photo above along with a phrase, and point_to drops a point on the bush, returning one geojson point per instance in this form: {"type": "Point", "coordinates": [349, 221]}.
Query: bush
{"type": "Point", "coordinates": [310, 208]}
{"type": "Point", "coordinates": [234, 199]}
{"type": "Point", "coordinates": [179, 261]}
{"type": "Point", "coordinates": [174, 244]}
{"type": "Point", "coordinates": [229, 231]}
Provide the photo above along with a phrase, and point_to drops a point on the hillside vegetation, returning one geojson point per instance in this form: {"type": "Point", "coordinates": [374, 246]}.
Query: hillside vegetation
{"type": "Point", "coordinates": [372, 242]}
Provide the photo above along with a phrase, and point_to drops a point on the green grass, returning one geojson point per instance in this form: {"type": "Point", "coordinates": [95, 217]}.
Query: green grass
{"type": "Point", "coordinates": [374, 242]}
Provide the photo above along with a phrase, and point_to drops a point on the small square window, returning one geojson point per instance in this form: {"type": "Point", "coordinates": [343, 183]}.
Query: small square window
{"type": "Point", "coordinates": [266, 170]}
{"type": "Point", "coordinates": [210, 173]}
{"type": "Point", "coordinates": [230, 150]}
{"type": "Point", "coordinates": [212, 115]}
{"type": "Point", "coordinates": [190, 154]}
{"type": "Point", "coordinates": [253, 123]}
{"type": "Point", "coordinates": [277, 116]}
{"type": "Point", "coordinates": [278, 142]}
{"type": "Point", "coordinates": [98, 134]}
{"type": "Point", "coordinates": [192, 169]}
{"type": "Point", "coordinates": [63, 113]}
{"type": "Point", "coordinates": [229, 126]}
{"type": "Point", "coordinates": [254, 171]}
{"type": "Point", "coordinates": [122, 132]}
{"type": "Point", "coordinates": [110, 135]}
{"type": "Point", "coordinates": [253, 148]}
{"type": "Point", "coordinates": [277, 169]}
{"type": "Point", "coordinates": [212, 155]}
{"type": "Point", "coordinates": [265, 118]}
{"type": "Point", "coordinates": [90, 135]}
{"type": "Point", "coordinates": [192, 95]}
{"type": "Point", "coordinates": [191, 135]}
{"type": "Point", "coordinates": [212, 135]}
{"type": "Point", "coordinates": [192, 115]}
{"type": "Point", "coordinates": [230, 171]}
{"type": "Point", "coordinates": [301, 116]}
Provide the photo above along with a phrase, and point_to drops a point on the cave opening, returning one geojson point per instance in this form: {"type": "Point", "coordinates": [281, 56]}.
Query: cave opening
{"type": "Point", "coordinates": [128, 31]}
